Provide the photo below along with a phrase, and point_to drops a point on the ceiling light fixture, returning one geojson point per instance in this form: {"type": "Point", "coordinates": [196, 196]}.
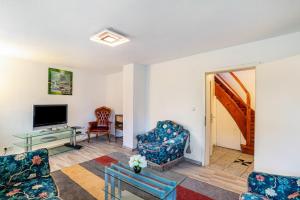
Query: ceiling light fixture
{"type": "Point", "coordinates": [109, 38]}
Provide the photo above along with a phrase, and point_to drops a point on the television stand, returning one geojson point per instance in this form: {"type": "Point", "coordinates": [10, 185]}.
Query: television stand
{"type": "Point", "coordinates": [47, 130]}
{"type": "Point", "coordinates": [73, 143]}
{"type": "Point", "coordinates": [34, 138]}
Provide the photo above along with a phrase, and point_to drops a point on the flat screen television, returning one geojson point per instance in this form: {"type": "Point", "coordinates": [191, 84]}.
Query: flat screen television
{"type": "Point", "coordinates": [49, 115]}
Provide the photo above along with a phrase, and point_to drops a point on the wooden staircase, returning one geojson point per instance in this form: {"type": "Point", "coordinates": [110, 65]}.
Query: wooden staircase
{"type": "Point", "coordinates": [240, 110]}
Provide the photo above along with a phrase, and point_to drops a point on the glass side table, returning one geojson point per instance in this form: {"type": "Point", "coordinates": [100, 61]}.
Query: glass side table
{"type": "Point", "coordinates": [121, 182]}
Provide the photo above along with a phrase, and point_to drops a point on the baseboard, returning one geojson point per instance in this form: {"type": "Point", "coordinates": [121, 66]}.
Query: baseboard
{"type": "Point", "coordinates": [195, 162]}
{"type": "Point", "coordinates": [128, 148]}
{"type": "Point", "coordinates": [166, 166]}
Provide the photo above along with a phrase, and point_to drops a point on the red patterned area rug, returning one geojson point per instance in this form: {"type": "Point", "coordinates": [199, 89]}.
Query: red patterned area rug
{"type": "Point", "coordinates": [84, 182]}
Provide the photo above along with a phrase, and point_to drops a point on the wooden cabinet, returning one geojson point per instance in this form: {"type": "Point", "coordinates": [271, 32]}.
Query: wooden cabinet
{"type": "Point", "coordinates": [119, 125]}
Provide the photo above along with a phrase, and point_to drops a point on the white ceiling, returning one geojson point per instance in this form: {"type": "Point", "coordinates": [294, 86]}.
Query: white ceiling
{"type": "Point", "coordinates": [58, 31]}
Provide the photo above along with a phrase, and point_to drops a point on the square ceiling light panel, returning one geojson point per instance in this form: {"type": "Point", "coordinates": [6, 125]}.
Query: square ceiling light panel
{"type": "Point", "coordinates": [109, 38]}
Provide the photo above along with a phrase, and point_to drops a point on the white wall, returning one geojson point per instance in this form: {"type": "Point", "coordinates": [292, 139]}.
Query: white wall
{"type": "Point", "coordinates": [277, 140]}
{"type": "Point", "coordinates": [140, 101]}
{"type": "Point", "coordinates": [177, 87]}
{"type": "Point", "coordinates": [114, 96]}
{"type": "Point", "coordinates": [24, 83]}
{"type": "Point", "coordinates": [114, 92]}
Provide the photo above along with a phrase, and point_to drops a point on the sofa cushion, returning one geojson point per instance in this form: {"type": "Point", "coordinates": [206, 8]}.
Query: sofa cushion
{"type": "Point", "coordinates": [99, 129]}
{"type": "Point", "coordinates": [166, 130]}
{"type": "Point", "coordinates": [149, 147]}
{"type": "Point", "coordinates": [153, 152]}
{"type": "Point", "coordinates": [38, 188]}
{"type": "Point", "coordinates": [159, 153]}
{"type": "Point", "coordinates": [274, 186]}
{"type": "Point", "coordinates": [22, 167]}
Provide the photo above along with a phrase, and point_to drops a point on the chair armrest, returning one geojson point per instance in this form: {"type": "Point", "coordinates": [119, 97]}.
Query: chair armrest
{"type": "Point", "coordinates": [252, 196]}
{"type": "Point", "coordinates": [178, 141]}
{"type": "Point", "coordinates": [92, 125]}
{"type": "Point", "coordinates": [174, 141]}
{"type": "Point", "coordinates": [146, 137]}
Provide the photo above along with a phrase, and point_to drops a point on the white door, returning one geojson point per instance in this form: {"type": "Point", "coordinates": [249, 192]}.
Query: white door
{"type": "Point", "coordinates": [228, 133]}
{"type": "Point", "coordinates": [208, 127]}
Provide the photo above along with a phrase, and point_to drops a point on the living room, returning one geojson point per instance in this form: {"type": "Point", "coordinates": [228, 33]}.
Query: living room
{"type": "Point", "coordinates": [154, 81]}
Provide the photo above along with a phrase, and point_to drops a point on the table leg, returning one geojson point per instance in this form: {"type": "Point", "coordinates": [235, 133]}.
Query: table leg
{"type": "Point", "coordinates": [119, 189]}
{"type": "Point", "coordinates": [112, 187]}
{"type": "Point", "coordinates": [74, 137]}
{"type": "Point", "coordinates": [106, 185]}
{"type": "Point", "coordinates": [27, 145]}
{"type": "Point", "coordinates": [172, 196]}
{"type": "Point", "coordinates": [30, 144]}
{"type": "Point", "coordinates": [71, 137]}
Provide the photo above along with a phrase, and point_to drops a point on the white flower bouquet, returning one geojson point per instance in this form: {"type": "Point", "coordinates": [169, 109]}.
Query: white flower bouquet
{"type": "Point", "coordinates": [137, 163]}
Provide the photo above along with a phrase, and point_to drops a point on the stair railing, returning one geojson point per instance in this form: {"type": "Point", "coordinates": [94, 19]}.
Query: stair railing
{"type": "Point", "coordinates": [247, 103]}
{"type": "Point", "coordinates": [229, 87]}
{"type": "Point", "coordinates": [248, 106]}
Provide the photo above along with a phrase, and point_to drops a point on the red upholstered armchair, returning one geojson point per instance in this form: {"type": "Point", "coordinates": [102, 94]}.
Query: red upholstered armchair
{"type": "Point", "coordinates": [102, 125]}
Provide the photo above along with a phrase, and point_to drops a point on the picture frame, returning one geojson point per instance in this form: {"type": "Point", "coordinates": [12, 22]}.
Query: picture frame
{"type": "Point", "coordinates": [60, 82]}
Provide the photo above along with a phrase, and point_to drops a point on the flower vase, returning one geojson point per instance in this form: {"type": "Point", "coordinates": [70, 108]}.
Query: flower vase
{"type": "Point", "coordinates": [137, 169]}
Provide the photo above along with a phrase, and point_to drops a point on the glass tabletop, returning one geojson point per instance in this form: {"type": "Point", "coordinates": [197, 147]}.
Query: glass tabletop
{"type": "Point", "coordinates": [44, 138]}
{"type": "Point", "coordinates": [121, 182]}
{"type": "Point", "coordinates": [42, 133]}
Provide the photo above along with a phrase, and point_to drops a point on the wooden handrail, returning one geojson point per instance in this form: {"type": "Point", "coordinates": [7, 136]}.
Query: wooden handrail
{"type": "Point", "coordinates": [243, 87]}
{"type": "Point", "coordinates": [229, 87]}
{"type": "Point", "coordinates": [248, 114]}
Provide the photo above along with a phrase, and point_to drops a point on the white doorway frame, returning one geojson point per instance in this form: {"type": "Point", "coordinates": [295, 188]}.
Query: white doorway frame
{"type": "Point", "coordinates": [207, 141]}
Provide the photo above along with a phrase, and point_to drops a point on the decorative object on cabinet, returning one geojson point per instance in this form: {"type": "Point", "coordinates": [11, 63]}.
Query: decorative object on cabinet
{"type": "Point", "coordinates": [118, 126]}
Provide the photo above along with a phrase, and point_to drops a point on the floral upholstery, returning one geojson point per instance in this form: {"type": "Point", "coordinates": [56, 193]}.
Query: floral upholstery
{"type": "Point", "coordinates": [26, 176]}
{"type": "Point", "coordinates": [266, 186]}
{"type": "Point", "coordinates": [166, 130]}
{"type": "Point", "coordinates": [164, 143]}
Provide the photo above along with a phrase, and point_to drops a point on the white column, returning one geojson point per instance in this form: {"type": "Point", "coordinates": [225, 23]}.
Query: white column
{"type": "Point", "coordinates": [134, 102]}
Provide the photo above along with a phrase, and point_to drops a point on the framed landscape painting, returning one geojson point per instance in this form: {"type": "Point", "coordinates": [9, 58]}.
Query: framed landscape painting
{"type": "Point", "coordinates": [60, 82]}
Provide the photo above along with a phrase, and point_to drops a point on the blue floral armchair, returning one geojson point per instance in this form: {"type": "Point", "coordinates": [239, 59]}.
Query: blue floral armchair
{"type": "Point", "coordinates": [27, 176]}
{"type": "Point", "coordinates": [164, 143]}
{"type": "Point", "coordinates": [264, 186]}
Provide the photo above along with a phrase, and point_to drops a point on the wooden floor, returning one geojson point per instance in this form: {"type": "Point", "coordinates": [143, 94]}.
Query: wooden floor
{"type": "Point", "coordinates": [231, 161]}
{"type": "Point", "coordinates": [99, 147]}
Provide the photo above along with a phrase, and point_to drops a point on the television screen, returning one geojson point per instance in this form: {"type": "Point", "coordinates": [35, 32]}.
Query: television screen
{"type": "Point", "coordinates": [47, 115]}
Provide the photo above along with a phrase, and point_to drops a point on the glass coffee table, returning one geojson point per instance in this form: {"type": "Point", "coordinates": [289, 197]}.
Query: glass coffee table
{"type": "Point", "coordinates": [121, 182]}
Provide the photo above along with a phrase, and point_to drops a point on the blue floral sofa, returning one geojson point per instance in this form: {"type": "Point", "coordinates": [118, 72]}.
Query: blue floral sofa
{"type": "Point", "coordinates": [264, 186]}
{"type": "Point", "coordinates": [163, 144]}
{"type": "Point", "coordinates": [27, 176]}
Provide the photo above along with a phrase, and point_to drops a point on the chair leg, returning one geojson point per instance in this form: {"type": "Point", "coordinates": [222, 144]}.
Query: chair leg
{"type": "Point", "coordinates": [89, 137]}
{"type": "Point", "coordinates": [108, 137]}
